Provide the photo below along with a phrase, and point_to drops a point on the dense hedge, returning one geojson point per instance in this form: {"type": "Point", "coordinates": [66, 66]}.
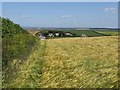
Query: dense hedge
{"type": "Point", "coordinates": [15, 41]}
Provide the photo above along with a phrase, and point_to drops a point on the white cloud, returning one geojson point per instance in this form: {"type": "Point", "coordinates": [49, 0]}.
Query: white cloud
{"type": "Point", "coordinates": [110, 9]}
{"type": "Point", "coordinates": [66, 16]}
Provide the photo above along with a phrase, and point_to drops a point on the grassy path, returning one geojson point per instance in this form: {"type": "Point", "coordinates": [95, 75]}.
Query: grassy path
{"type": "Point", "coordinates": [31, 70]}
{"type": "Point", "coordinates": [81, 62]}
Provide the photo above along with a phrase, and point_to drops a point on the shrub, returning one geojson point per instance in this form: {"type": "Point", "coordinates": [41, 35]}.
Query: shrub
{"type": "Point", "coordinates": [15, 41]}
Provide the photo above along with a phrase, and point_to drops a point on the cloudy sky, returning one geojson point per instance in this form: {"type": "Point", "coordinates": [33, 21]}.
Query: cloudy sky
{"type": "Point", "coordinates": [62, 14]}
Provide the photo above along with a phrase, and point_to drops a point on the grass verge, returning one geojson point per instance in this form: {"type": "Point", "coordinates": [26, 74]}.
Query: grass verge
{"type": "Point", "coordinates": [30, 71]}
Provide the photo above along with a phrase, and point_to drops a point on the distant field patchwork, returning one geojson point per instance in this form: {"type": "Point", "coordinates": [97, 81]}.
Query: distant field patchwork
{"type": "Point", "coordinates": [78, 33]}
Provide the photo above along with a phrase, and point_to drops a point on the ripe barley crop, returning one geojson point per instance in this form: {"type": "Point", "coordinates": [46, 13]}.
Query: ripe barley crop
{"type": "Point", "coordinates": [81, 62]}
{"type": "Point", "coordinates": [90, 62]}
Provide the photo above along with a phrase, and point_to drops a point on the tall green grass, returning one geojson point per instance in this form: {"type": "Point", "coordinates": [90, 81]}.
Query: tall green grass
{"type": "Point", "coordinates": [29, 72]}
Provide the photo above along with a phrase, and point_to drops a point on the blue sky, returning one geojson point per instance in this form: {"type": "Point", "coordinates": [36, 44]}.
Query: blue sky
{"type": "Point", "coordinates": [62, 14]}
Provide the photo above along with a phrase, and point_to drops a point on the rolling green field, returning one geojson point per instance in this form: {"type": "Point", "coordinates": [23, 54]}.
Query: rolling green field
{"type": "Point", "coordinates": [109, 32]}
{"type": "Point", "coordinates": [90, 62]}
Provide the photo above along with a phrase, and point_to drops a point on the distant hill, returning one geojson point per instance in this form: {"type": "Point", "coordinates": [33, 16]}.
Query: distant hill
{"type": "Point", "coordinates": [68, 28]}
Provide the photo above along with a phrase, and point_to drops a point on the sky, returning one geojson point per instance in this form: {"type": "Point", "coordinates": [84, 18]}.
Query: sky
{"type": "Point", "coordinates": [60, 0]}
{"type": "Point", "coordinates": [62, 14]}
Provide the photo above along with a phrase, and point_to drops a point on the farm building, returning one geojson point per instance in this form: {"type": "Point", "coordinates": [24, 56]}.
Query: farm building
{"type": "Point", "coordinates": [68, 34]}
{"type": "Point", "coordinates": [83, 35]}
{"type": "Point", "coordinates": [40, 35]}
{"type": "Point", "coordinates": [50, 34]}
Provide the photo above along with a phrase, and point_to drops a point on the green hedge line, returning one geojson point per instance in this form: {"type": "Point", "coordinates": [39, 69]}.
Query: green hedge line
{"type": "Point", "coordinates": [15, 41]}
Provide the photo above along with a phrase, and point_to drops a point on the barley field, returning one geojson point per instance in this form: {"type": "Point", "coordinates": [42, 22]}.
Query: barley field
{"type": "Point", "coordinates": [90, 62]}
{"type": "Point", "coordinates": [81, 63]}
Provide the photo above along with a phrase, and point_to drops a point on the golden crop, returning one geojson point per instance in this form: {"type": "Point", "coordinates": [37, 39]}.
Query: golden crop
{"type": "Point", "coordinates": [90, 62]}
{"type": "Point", "coordinates": [81, 63]}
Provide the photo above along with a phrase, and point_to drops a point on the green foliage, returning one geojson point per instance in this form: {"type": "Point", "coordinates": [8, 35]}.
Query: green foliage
{"type": "Point", "coordinates": [15, 41]}
{"type": "Point", "coordinates": [29, 73]}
